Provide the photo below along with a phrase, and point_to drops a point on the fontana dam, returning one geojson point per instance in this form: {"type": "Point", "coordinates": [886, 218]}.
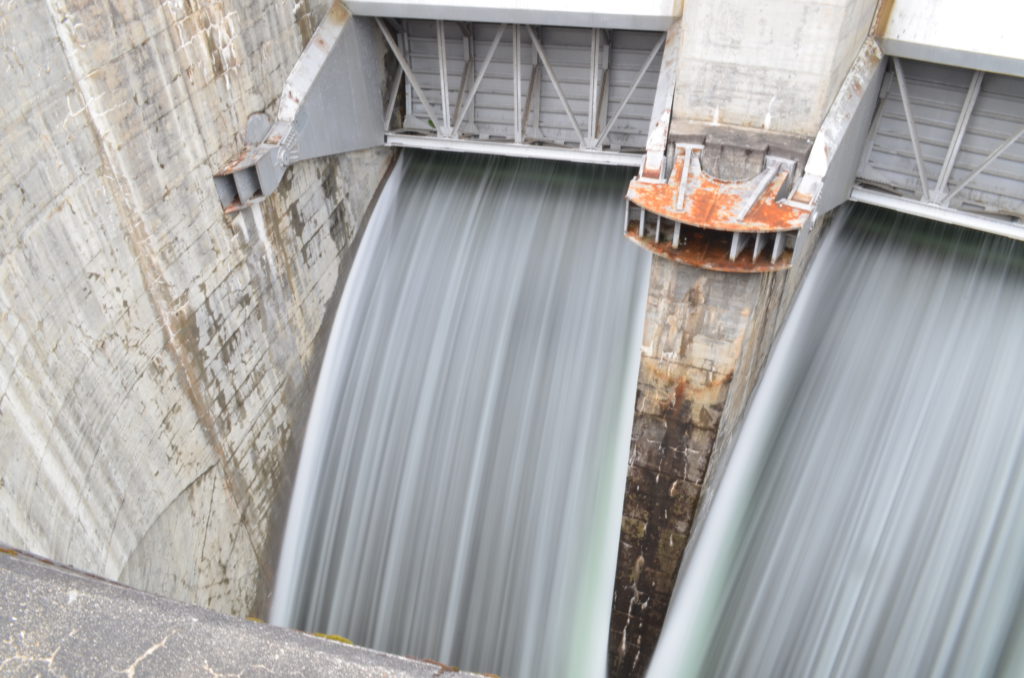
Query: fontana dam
{"type": "Point", "coordinates": [416, 338]}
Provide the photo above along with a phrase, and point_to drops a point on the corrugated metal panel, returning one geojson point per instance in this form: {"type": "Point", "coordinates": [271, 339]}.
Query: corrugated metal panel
{"type": "Point", "coordinates": [937, 95]}
{"type": "Point", "coordinates": [622, 55]}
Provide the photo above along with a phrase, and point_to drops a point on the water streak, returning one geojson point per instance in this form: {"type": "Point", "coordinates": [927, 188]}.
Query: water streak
{"type": "Point", "coordinates": [460, 487]}
{"type": "Point", "coordinates": [869, 520]}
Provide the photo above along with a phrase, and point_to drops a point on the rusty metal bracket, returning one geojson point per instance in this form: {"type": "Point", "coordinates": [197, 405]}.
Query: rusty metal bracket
{"type": "Point", "coordinates": [694, 197]}
{"type": "Point", "coordinates": [719, 224]}
{"type": "Point", "coordinates": [746, 225]}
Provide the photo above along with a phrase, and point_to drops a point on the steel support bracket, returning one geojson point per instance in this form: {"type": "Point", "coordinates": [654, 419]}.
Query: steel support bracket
{"type": "Point", "coordinates": [844, 129]}
{"type": "Point", "coordinates": [661, 113]}
{"type": "Point", "coordinates": [332, 103]}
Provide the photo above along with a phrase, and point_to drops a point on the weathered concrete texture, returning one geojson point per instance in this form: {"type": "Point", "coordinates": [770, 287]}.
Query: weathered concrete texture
{"type": "Point", "coordinates": [765, 65]}
{"type": "Point", "coordinates": [707, 336]}
{"type": "Point", "coordinates": [58, 622]}
{"type": "Point", "coordinates": [154, 353]}
{"type": "Point", "coordinates": [694, 329]}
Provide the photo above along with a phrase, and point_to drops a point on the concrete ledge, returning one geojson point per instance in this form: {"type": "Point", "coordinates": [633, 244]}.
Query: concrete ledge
{"type": "Point", "coordinates": [640, 15]}
{"type": "Point", "coordinates": [55, 621]}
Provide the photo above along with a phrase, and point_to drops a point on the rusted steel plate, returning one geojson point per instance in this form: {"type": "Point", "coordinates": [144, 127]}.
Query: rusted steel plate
{"type": "Point", "coordinates": [716, 204]}
{"type": "Point", "coordinates": [247, 158]}
{"type": "Point", "coordinates": [708, 250]}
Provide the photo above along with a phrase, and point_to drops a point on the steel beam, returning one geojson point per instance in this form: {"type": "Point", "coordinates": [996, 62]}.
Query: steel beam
{"type": "Point", "coordinates": [683, 179]}
{"type": "Point", "coordinates": [605, 84]}
{"type": "Point", "coordinates": [766, 178]}
{"type": "Point", "coordinates": [593, 92]}
{"type": "Point", "coordinates": [396, 84]}
{"type": "Point", "coordinates": [760, 239]}
{"type": "Point", "coordinates": [625, 100]}
{"type": "Point", "coordinates": [479, 79]}
{"type": "Point", "coordinates": [554, 82]}
{"type": "Point", "coordinates": [1007, 229]}
{"type": "Point", "coordinates": [942, 183]}
{"type": "Point", "coordinates": [407, 69]}
{"type": "Point", "coordinates": [468, 62]}
{"type": "Point", "coordinates": [739, 242]}
{"type": "Point", "coordinates": [517, 59]}
{"type": "Point", "coordinates": [403, 33]}
{"type": "Point", "coordinates": [900, 81]}
{"type": "Point", "coordinates": [654, 166]}
{"type": "Point", "coordinates": [779, 246]}
{"type": "Point", "coordinates": [442, 68]}
{"type": "Point", "coordinates": [535, 76]}
{"type": "Point", "coordinates": [532, 95]}
{"type": "Point", "coordinates": [842, 133]}
{"type": "Point", "coordinates": [515, 150]}
{"type": "Point", "coordinates": [984, 165]}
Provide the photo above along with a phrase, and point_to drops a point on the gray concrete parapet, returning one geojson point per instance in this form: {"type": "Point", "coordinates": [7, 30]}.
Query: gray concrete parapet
{"type": "Point", "coordinates": [55, 621]}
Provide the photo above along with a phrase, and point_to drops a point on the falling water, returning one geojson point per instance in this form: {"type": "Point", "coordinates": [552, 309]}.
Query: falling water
{"type": "Point", "coordinates": [460, 487]}
{"type": "Point", "coordinates": [869, 521]}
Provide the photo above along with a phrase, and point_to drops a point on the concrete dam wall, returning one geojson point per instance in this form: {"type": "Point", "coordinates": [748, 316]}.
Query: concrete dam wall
{"type": "Point", "coordinates": [156, 354]}
{"type": "Point", "coordinates": [165, 300]}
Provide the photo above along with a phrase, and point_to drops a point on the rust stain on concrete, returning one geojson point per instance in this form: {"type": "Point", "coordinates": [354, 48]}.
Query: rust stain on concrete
{"type": "Point", "coordinates": [693, 337]}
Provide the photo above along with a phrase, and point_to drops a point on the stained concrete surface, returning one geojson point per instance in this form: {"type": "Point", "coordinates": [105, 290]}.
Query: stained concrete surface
{"type": "Point", "coordinates": [745, 71]}
{"type": "Point", "coordinates": [695, 327]}
{"type": "Point", "coordinates": [707, 336]}
{"type": "Point", "coordinates": [765, 66]}
{"type": "Point", "coordinates": [155, 354]}
{"type": "Point", "coordinates": [55, 621]}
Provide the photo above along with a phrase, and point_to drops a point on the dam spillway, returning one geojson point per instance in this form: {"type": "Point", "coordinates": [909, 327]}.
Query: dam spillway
{"type": "Point", "coordinates": [867, 521]}
{"type": "Point", "coordinates": [459, 492]}
{"type": "Point", "coordinates": [162, 333]}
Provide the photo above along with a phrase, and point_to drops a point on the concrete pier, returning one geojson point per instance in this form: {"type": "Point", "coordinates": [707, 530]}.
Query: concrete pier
{"type": "Point", "coordinates": [748, 78]}
{"type": "Point", "coordinates": [694, 331]}
{"type": "Point", "coordinates": [706, 337]}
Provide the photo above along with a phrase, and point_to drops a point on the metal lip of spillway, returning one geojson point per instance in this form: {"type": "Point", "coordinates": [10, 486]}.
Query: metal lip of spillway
{"type": "Point", "coordinates": [976, 222]}
{"type": "Point", "coordinates": [516, 150]}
